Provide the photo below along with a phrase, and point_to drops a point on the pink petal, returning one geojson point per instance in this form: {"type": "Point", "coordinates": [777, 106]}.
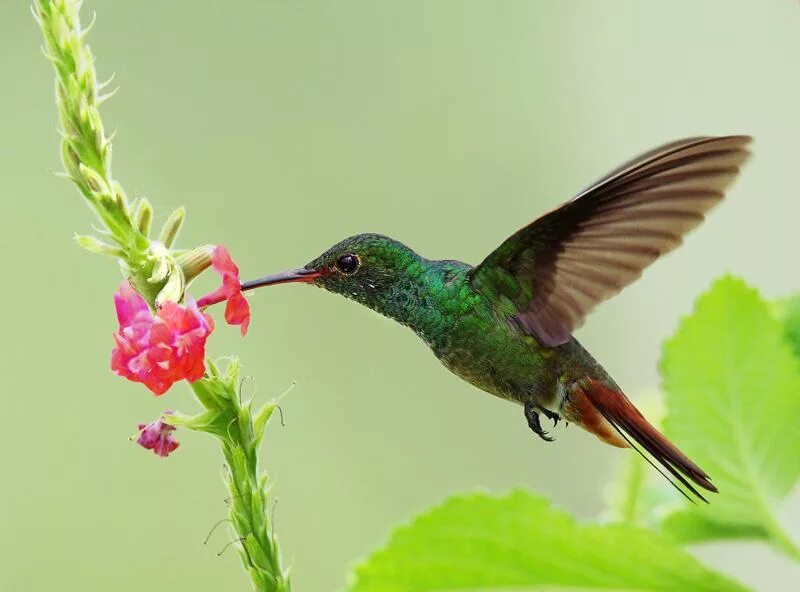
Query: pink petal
{"type": "Point", "coordinates": [129, 304]}
{"type": "Point", "coordinates": [162, 350]}
{"type": "Point", "coordinates": [157, 436]}
{"type": "Point", "coordinates": [222, 262]}
{"type": "Point", "coordinates": [237, 312]}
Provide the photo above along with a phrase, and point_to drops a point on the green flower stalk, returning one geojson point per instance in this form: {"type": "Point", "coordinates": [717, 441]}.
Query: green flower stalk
{"type": "Point", "coordinates": [240, 430]}
{"type": "Point", "coordinates": [160, 276]}
{"type": "Point", "coordinates": [86, 155]}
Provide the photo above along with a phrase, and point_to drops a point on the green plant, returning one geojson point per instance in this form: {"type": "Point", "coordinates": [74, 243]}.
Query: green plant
{"type": "Point", "coordinates": [161, 275]}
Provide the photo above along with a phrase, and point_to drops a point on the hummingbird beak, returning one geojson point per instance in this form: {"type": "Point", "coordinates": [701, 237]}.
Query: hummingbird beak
{"type": "Point", "coordinates": [300, 274]}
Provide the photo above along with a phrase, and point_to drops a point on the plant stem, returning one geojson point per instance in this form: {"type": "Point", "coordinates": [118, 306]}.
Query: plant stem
{"type": "Point", "coordinates": [240, 431]}
{"type": "Point", "coordinates": [248, 512]}
{"type": "Point", "coordinates": [152, 267]}
{"type": "Point", "coordinates": [633, 485]}
{"type": "Point", "coordinates": [85, 148]}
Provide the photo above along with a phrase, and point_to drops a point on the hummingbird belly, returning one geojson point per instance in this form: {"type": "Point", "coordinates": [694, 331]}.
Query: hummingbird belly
{"type": "Point", "coordinates": [498, 359]}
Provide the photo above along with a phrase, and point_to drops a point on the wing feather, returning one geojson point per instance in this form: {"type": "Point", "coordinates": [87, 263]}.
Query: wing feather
{"type": "Point", "coordinates": [588, 249]}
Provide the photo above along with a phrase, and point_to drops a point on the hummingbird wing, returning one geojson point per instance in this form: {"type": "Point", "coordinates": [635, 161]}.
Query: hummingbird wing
{"type": "Point", "coordinates": [558, 268]}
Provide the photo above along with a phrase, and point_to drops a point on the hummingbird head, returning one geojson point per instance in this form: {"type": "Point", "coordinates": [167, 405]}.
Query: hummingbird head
{"type": "Point", "coordinates": [386, 276]}
{"type": "Point", "coordinates": [372, 269]}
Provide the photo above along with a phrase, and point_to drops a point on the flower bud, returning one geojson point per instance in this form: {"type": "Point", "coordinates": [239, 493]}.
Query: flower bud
{"type": "Point", "coordinates": [143, 216]}
{"type": "Point", "coordinates": [119, 194]}
{"type": "Point", "coordinates": [194, 262]}
{"type": "Point", "coordinates": [70, 160]}
{"type": "Point", "coordinates": [160, 257]}
{"type": "Point", "coordinates": [95, 182]}
{"type": "Point", "coordinates": [173, 289]}
{"type": "Point", "coordinates": [160, 271]}
{"type": "Point", "coordinates": [171, 227]}
{"type": "Point", "coordinates": [94, 245]}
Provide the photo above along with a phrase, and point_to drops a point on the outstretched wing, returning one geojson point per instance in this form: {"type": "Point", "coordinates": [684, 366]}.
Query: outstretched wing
{"type": "Point", "coordinates": [558, 268]}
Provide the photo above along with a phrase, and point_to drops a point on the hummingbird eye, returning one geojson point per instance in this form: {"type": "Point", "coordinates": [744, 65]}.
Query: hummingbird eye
{"type": "Point", "coordinates": [348, 264]}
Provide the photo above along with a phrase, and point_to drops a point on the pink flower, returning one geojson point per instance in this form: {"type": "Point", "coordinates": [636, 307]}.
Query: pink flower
{"type": "Point", "coordinates": [159, 350]}
{"type": "Point", "coordinates": [237, 310]}
{"type": "Point", "coordinates": [157, 436]}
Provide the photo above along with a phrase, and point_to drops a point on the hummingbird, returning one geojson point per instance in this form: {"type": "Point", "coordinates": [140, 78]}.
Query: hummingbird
{"type": "Point", "coordinates": [506, 324]}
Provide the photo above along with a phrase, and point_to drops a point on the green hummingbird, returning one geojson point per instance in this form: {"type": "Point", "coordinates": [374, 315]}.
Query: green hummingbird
{"type": "Point", "coordinates": [506, 324]}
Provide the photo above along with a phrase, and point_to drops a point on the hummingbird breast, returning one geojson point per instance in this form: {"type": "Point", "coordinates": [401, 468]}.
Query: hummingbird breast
{"type": "Point", "coordinates": [491, 353]}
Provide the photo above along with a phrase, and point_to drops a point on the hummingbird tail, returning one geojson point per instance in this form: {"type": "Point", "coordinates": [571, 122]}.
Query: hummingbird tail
{"type": "Point", "coordinates": [611, 416]}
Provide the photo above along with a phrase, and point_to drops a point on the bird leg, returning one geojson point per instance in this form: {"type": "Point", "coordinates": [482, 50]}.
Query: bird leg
{"type": "Point", "coordinates": [532, 415]}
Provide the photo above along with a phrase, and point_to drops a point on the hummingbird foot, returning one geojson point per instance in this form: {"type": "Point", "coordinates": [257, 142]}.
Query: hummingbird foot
{"type": "Point", "coordinates": [532, 415]}
{"type": "Point", "coordinates": [552, 416]}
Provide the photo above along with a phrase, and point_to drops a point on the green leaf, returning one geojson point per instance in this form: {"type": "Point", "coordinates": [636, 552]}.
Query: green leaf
{"type": "Point", "coordinates": [693, 527]}
{"type": "Point", "coordinates": [788, 312]}
{"type": "Point", "coordinates": [733, 405]}
{"type": "Point", "coordinates": [479, 543]}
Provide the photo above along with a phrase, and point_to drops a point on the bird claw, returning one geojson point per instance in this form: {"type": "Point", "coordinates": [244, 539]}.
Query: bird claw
{"type": "Point", "coordinates": [532, 415]}
{"type": "Point", "coordinates": [546, 437]}
{"type": "Point", "coordinates": [537, 429]}
{"type": "Point", "coordinates": [553, 416]}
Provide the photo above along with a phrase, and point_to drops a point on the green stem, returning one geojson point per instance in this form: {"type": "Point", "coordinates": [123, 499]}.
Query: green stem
{"type": "Point", "coordinates": [150, 266]}
{"type": "Point", "coordinates": [85, 148]}
{"type": "Point", "coordinates": [633, 486]}
{"type": "Point", "coordinates": [239, 431]}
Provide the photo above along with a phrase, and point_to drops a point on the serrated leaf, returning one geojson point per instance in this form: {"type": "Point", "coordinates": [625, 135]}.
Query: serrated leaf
{"type": "Point", "coordinates": [479, 543]}
{"type": "Point", "coordinates": [732, 391]}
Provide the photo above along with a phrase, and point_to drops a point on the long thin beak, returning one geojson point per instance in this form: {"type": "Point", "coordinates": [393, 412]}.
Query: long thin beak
{"type": "Point", "coordinates": [295, 275]}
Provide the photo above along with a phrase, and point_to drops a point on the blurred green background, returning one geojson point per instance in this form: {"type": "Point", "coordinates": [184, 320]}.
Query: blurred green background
{"type": "Point", "coordinates": [284, 126]}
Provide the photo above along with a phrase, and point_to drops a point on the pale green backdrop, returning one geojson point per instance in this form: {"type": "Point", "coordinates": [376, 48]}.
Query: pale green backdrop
{"type": "Point", "coordinates": [284, 126]}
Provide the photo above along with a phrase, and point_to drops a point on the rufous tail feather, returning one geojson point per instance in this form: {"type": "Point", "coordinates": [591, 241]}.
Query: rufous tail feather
{"type": "Point", "coordinates": [611, 416]}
